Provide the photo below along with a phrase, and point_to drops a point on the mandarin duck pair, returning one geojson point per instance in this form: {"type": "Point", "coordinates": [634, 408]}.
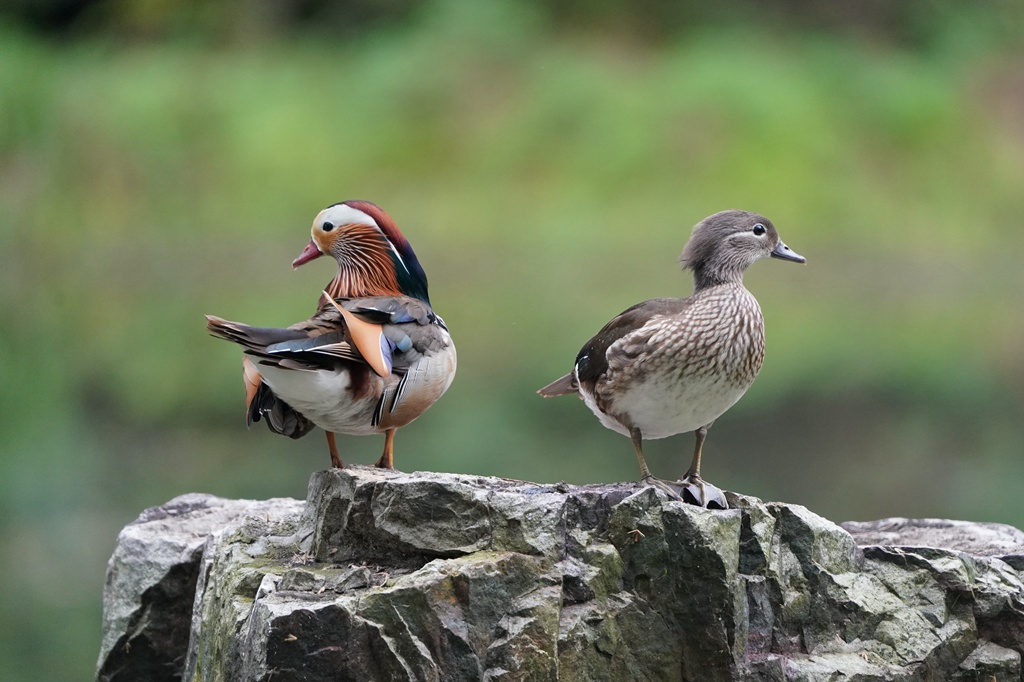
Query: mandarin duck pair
{"type": "Point", "coordinates": [375, 356]}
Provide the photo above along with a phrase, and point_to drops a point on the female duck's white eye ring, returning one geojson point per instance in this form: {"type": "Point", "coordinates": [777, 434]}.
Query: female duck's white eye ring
{"type": "Point", "coordinates": [759, 229]}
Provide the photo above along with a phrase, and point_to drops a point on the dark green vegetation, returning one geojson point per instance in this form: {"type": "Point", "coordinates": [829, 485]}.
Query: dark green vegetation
{"type": "Point", "coordinates": [547, 172]}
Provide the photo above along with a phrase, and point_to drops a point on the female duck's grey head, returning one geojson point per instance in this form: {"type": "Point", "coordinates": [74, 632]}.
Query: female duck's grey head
{"type": "Point", "coordinates": [725, 244]}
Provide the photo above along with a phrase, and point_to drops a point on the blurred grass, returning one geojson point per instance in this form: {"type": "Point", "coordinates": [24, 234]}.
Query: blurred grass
{"type": "Point", "coordinates": [548, 179]}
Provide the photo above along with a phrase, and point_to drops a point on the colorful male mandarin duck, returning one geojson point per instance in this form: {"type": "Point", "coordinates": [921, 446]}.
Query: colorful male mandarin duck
{"type": "Point", "coordinates": [372, 359]}
{"type": "Point", "coordinates": [672, 365]}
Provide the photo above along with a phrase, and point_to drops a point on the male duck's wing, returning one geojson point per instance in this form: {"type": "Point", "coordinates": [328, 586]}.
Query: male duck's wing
{"type": "Point", "coordinates": [401, 328]}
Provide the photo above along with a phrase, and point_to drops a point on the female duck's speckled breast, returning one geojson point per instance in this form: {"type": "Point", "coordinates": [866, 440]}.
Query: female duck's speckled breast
{"type": "Point", "coordinates": [691, 367]}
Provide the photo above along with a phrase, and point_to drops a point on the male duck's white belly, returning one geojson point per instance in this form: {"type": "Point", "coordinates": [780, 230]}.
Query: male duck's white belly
{"type": "Point", "coordinates": [325, 398]}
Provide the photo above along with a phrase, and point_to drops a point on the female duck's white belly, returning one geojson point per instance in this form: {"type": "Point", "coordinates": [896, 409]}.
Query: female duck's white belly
{"type": "Point", "coordinates": [661, 407]}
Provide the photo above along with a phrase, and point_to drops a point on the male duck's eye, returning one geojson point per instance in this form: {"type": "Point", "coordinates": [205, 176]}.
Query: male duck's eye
{"type": "Point", "coordinates": [759, 229]}
{"type": "Point", "coordinates": [328, 226]}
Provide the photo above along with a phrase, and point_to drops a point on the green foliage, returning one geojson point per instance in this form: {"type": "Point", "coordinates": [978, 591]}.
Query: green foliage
{"type": "Point", "coordinates": [547, 178]}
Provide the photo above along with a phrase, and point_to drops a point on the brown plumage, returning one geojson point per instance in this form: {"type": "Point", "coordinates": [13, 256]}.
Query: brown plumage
{"type": "Point", "coordinates": [671, 365]}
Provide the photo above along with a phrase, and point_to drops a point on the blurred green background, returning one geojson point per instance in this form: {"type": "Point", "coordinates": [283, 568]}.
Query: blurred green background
{"type": "Point", "coordinates": [547, 160]}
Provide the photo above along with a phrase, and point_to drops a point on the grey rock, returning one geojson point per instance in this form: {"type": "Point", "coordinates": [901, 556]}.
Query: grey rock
{"type": "Point", "coordinates": [989, 662]}
{"type": "Point", "coordinates": [977, 539]}
{"type": "Point", "coordinates": [151, 583]}
{"type": "Point", "coordinates": [381, 575]}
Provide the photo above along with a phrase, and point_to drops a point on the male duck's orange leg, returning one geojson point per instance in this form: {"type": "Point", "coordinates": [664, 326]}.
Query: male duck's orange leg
{"type": "Point", "coordinates": [335, 457]}
{"type": "Point", "coordinates": [387, 460]}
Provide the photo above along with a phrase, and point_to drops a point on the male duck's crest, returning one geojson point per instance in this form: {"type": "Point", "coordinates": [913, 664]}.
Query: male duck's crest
{"type": "Point", "coordinates": [373, 255]}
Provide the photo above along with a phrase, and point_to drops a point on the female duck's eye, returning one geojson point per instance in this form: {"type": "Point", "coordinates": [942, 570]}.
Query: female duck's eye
{"type": "Point", "coordinates": [327, 226]}
{"type": "Point", "coordinates": [759, 229]}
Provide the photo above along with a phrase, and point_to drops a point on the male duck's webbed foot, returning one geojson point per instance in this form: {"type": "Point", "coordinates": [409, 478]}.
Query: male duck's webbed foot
{"type": "Point", "coordinates": [387, 460]}
{"type": "Point", "coordinates": [335, 457]}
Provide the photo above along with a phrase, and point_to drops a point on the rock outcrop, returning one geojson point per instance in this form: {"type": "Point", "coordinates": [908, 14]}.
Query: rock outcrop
{"type": "Point", "coordinates": [388, 576]}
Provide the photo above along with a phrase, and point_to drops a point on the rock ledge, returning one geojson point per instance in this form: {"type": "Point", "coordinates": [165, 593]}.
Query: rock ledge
{"type": "Point", "coordinates": [381, 575]}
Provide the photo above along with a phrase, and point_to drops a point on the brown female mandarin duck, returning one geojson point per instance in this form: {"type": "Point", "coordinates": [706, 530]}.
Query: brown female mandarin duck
{"type": "Point", "coordinates": [671, 365]}
{"type": "Point", "coordinates": [372, 358]}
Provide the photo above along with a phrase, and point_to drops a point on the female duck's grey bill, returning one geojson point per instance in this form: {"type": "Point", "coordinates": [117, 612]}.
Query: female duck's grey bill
{"type": "Point", "coordinates": [785, 253]}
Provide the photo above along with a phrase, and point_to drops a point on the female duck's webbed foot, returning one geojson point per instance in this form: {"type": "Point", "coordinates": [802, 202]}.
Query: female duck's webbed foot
{"type": "Point", "coordinates": [695, 490]}
{"type": "Point", "coordinates": [691, 488]}
{"type": "Point", "coordinates": [646, 477]}
{"type": "Point", "coordinates": [673, 491]}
